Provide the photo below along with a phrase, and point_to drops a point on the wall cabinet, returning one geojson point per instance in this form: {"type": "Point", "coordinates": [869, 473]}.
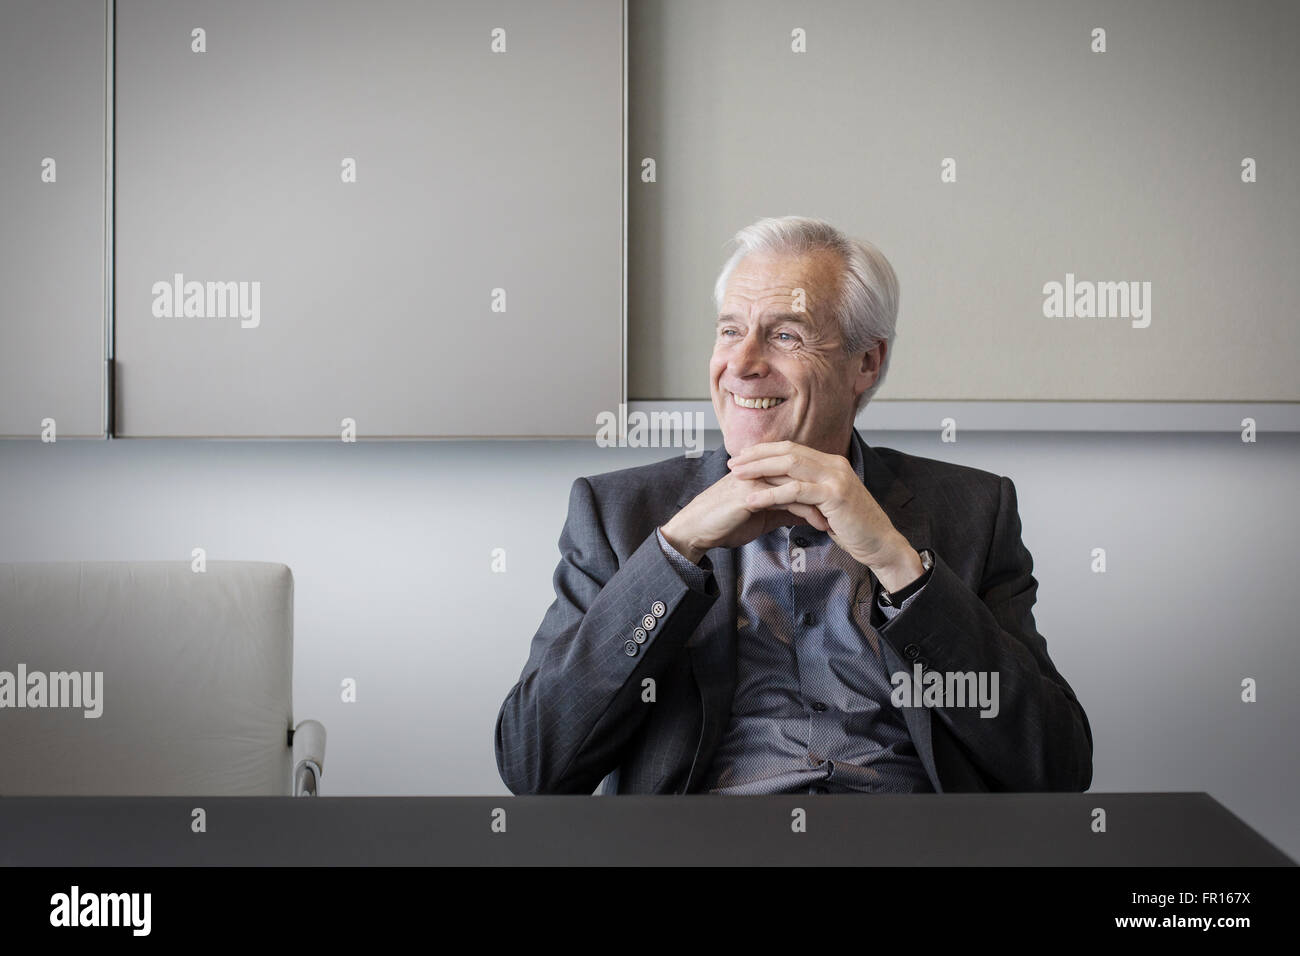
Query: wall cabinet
{"type": "Point", "coordinates": [408, 215]}
{"type": "Point", "coordinates": [53, 109]}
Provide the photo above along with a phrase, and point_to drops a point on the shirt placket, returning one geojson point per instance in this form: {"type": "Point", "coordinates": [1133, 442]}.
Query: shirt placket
{"type": "Point", "coordinates": [807, 593]}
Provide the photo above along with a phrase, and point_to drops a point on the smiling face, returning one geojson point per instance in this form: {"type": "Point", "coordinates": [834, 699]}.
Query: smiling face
{"type": "Point", "coordinates": [778, 373]}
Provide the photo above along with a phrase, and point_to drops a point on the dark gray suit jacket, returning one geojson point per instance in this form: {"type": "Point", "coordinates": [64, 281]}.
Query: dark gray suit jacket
{"type": "Point", "coordinates": [581, 711]}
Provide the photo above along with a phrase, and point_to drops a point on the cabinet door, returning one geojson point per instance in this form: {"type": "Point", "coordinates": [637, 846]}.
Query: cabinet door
{"type": "Point", "coordinates": [53, 112]}
{"type": "Point", "coordinates": [403, 213]}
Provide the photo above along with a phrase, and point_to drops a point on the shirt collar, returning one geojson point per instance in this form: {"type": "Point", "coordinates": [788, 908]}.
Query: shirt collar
{"type": "Point", "coordinates": [855, 456]}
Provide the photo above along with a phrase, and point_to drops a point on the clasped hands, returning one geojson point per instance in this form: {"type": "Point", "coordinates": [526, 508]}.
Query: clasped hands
{"type": "Point", "coordinates": [779, 484]}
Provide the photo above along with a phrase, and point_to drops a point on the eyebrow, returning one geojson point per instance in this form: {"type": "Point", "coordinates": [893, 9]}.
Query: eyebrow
{"type": "Point", "coordinates": [794, 317]}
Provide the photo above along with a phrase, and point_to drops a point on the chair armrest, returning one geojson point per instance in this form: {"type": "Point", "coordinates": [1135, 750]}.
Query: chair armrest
{"type": "Point", "coordinates": [308, 758]}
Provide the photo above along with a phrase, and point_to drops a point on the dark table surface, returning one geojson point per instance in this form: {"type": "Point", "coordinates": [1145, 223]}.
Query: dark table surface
{"type": "Point", "coordinates": [1142, 829]}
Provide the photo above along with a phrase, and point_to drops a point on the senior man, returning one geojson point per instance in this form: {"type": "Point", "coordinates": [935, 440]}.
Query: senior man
{"type": "Point", "coordinates": [795, 611]}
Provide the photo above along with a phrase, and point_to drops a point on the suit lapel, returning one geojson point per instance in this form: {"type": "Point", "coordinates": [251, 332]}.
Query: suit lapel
{"type": "Point", "coordinates": [894, 498]}
{"type": "Point", "coordinates": [712, 647]}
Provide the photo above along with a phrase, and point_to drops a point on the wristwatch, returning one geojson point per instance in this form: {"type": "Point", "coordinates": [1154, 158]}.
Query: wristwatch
{"type": "Point", "coordinates": [902, 594]}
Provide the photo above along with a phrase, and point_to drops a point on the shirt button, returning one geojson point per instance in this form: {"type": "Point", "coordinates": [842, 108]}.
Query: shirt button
{"type": "Point", "coordinates": [911, 652]}
{"type": "Point", "coordinates": [658, 609]}
{"type": "Point", "coordinates": [800, 542]}
{"type": "Point", "coordinates": [639, 635]}
{"type": "Point", "coordinates": [809, 619]}
{"type": "Point", "coordinates": [818, 706]}
{"type": "Point", "coordinates": [649, 622]}
{"type": "Point", "coordinates": [630, 649]}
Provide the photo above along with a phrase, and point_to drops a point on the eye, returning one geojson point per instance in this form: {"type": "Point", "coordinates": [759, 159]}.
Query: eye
{"type": "Point", "coordinates": [789, 337]}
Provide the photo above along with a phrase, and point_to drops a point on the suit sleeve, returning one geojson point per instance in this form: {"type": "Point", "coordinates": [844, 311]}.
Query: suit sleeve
{"type": "Point", "coordinates": [577, 704]}
{"type": "Point", "coordinates": [1040, 738]}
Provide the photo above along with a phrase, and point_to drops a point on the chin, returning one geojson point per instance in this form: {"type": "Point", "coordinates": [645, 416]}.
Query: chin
{"type": "Point", "coordinates": [737, 439]}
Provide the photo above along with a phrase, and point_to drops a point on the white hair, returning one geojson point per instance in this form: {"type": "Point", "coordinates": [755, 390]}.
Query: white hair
{"type": "Point", "coordinates": [867, 305]}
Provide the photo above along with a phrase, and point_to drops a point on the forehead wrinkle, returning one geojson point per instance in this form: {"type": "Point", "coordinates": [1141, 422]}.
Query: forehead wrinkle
{"type": "Point", "coordinates": [774, 302]}
{"type": "Point", "coordinates": [762, 283]}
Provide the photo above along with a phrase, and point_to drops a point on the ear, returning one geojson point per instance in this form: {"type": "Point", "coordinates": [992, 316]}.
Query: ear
{"type": "Point", "coordinates": [868, 369]}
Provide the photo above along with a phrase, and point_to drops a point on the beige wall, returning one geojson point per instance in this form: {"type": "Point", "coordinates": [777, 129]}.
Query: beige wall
{"type": "Point", "coordinates": [1115, 166]}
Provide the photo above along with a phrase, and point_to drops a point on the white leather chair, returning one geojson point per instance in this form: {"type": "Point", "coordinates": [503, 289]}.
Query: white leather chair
{"type": "Point", "coordinates": [196, 695]}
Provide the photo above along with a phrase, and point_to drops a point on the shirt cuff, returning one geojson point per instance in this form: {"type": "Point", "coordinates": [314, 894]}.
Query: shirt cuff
{"type": "Point", "coordinates": [907, 593]}
{"type": "Point", "coordinates": [694, 576]}
{"type": "Point", "coordinates": [890, 612]}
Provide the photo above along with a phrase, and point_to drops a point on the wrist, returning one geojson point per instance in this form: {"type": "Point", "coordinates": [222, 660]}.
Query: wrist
{"type": "Point", "coordinates": [898, 566]}
{"type": "Point", "coordinates": [680, 543]}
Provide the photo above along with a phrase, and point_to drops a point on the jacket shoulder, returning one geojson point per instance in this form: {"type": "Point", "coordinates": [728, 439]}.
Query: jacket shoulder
{"type": "Point", "coordinates": [931, 478]}
{"type": "Point", "coordinates": [671, 474]}
{"type": "Point", "coordinates": [629, 502]}
{"type": "Point", "coordinates": [644, 495]}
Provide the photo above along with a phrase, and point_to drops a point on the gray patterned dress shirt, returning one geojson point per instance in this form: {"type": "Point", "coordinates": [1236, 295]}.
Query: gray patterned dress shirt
{"type": "Point", "coordinates": [811, 711]}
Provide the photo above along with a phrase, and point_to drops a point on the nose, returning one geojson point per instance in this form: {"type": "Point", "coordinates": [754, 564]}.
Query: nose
{"type": "Point", "coordinates": [749, 357]}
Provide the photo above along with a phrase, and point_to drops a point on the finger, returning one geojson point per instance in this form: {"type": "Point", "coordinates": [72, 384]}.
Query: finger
{"type": "Point", "coordinates": [780, 519]}
{"type": "Point", "coordinates": [763, 450]}
{"type": "Point", "coordinates": [793, 466]}
{"type": "Point", "coordinates": [784, 519]}
{"type": "Point", "coordinates": [804, 492]}
{"type": "Point", "coordinates": [810, 515]}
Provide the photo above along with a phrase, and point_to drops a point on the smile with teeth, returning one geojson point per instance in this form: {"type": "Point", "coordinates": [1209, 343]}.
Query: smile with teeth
{"type": "Point", "coordinates": [756, 402]}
